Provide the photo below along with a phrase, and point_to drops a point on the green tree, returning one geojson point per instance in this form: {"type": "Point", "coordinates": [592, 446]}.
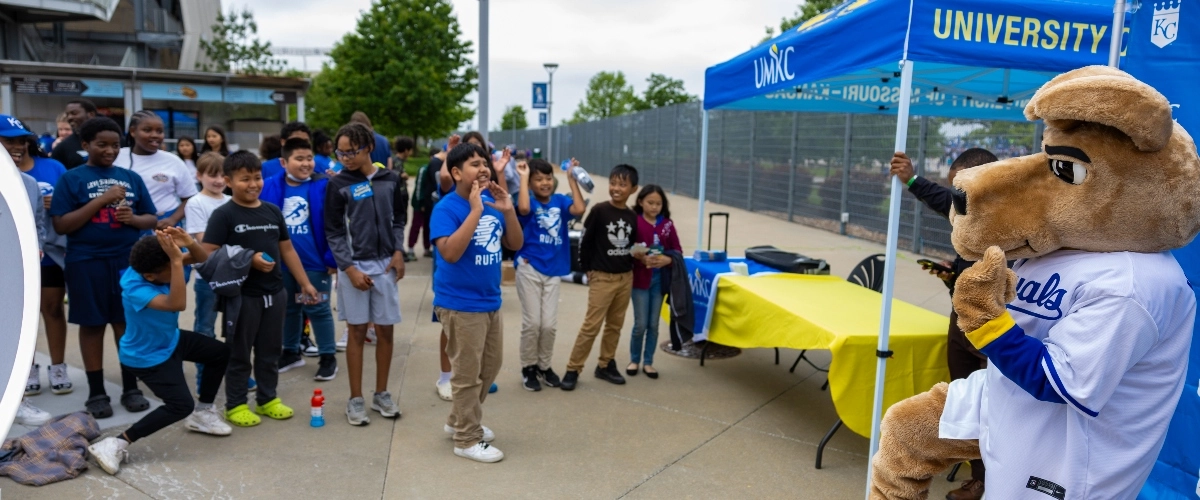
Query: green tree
{"type": "Point", "coordinates": [514, 118]}
{"type": "Point", "coordinates": [805, 11]}
{"type": "Point", "coordinates": [662, 90]}
{"type": "Point", "coordinates": [608, 95]}
{"type": "Point", "coordinates": [405, 65]}
{"type": "Point", "coordinates": [235, 48]}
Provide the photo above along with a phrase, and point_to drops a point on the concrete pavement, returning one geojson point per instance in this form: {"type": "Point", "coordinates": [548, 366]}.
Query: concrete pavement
{"type": "Point", "coordinates": [742, 427]}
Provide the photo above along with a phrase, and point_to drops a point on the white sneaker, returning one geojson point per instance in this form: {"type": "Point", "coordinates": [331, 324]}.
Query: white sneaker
{"type": "Point", "coordinates": [208, 421]}
{"type": "Point", "coordinates": [371, 339]}
{"type": "Point", "coordinates": [481, 452]}
{"type": "Point", "coordinates": [444, 391]}
{"type": "Point", "coordinates": [109, 453]}
{"type": "Point", "coordinates": [31, 416]}
{"type": "Point", "coordinates": [488, 435]}
{"type": "Point", "coordinates": [33, 386]}
{"type": "Point", "coordinates": [341, 343]}
{"type": "Point", "coordinates": [60, 381]}
{"type": "Point", "coordinates": [311, 351]}
{"type": "Point", "coordinates": [356, 412]}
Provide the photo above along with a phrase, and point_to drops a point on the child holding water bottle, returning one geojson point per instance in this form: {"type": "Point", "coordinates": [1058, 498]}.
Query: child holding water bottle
{"type": "Point", "coordinates": [656, 234]}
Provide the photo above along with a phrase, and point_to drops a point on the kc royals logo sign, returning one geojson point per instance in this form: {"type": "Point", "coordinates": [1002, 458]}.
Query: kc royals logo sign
{"type": "Point", "coordinates": [1165, 27]}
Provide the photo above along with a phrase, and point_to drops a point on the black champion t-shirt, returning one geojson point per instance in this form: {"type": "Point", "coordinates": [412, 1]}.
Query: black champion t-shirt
{"type": "Point", "coordinates": [259, 229]}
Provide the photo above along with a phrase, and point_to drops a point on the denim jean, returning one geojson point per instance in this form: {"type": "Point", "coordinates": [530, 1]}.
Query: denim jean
{"type": "Point", "coordinates": [647, 307]}
{"type": "Point", "coordinates": [206, 316]}
{"type": "Point", "coordinates": [319, 315]}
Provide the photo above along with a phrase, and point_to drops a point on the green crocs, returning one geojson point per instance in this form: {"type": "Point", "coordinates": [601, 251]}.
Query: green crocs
{"type": "Point", "coordinates": [275, 409]}
{"type": "Point", "coordinates": [241, 416]}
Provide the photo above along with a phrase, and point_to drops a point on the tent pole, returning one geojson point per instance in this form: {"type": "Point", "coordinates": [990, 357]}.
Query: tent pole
{"type": "Point", "coordinates": [889, 268]}
{"type": "Point", "coordinates": [1118, 30]}
{"type": "Point", "coordinates": [703, 180]}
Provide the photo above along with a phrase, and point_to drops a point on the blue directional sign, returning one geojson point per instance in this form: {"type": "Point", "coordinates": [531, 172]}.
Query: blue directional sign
{"type": "Point", "coordinates": [540, 96]}
{"type": "Point", "coordinates": [542, 119]}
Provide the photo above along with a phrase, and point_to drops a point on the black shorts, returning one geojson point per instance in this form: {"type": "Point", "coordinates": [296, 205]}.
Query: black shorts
{"type": "Point", "coordinates": [94, 291]}
{"type": "Point", "coordinates": [52, 277]}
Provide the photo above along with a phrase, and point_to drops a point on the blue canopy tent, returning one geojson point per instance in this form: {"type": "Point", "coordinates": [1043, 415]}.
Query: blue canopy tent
{"type": "Point", "coordinates": [967, 58]}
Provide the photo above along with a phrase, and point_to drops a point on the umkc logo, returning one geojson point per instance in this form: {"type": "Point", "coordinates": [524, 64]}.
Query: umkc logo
{"type": "Point", "coordinates": [773, 69]}
{"type": "Point", "coordinates": [700, 286]}
{"type": "Point", "coordinates": [1166, 23]}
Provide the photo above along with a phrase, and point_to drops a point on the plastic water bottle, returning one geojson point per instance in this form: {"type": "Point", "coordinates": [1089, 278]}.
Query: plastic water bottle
{"type": "Point", "coordinates": [318, 409]}
{"type": "Point", "coordinates": [582, 177]}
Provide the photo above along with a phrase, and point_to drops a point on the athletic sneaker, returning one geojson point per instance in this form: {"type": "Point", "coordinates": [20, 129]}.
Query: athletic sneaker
{"type": "Point", "coordinates": [356, 412]}
{"type": "Point", "coordinates": [569, 380]}
{"type": "Point", "coordinates": [328, 367]}
{"type": "Point", "coordinates": [210, 420]}
{"type": "Point", "coordinates": [371, 340]}
{"type": "Point", "coordinates": [60, 381]}
{"type": "Point", "coordinates": [445, 391]}
{"type": "Point", "coordinates": [493, 388]}
{"type": "Point", "coordinates": [610, 374]}
{"type": "Point", "coordinates": [529, 378]}
{"type": "Point", "coordinates": [109, 453]}
{"type": "Point", "coordinates": [549, 377]}
{"type": "Point", "coordinates": [488, 435]}
{"type": "Point", "coordinates": [31, 416]}
{"type": "Point", "coordinates": [308, 348]}
{"type": "Point", "coordinates": [289, 360]}
{"type": "Point", "coordinates": [481, 452]}
{"type": "Point", "coordinates": [382, 403]}
{"type": "Point", "coordinates": [341, 342]}
{"type": "Point", "coordinates": [251, 385]}
{"type": "Point", "coordinates": [33, 386]}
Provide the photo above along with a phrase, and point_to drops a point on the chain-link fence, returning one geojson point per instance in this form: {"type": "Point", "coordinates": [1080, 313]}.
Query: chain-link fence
{"type": "Point", "coordinates": [819, 169]}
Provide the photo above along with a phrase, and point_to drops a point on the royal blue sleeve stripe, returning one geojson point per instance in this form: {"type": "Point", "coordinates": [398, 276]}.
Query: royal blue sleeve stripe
{"type": "Point", "coordinates": [1061, 389]}
{"type": "Point", "coordinates": [1019, 357]}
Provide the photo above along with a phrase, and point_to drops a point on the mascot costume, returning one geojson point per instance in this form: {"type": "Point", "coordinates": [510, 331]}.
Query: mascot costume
{"type": "Point", "coordinates": [1087, 336]}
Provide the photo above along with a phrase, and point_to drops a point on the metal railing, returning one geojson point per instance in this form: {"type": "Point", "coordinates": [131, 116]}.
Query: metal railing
{"type": "Point", "coordinates": [823, 170]}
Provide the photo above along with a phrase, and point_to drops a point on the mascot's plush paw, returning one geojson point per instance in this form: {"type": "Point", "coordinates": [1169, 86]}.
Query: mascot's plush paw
{"type": "Point", "coordinates": [910, 451]}
{"type": "Point", "coordinates": [982, 290]}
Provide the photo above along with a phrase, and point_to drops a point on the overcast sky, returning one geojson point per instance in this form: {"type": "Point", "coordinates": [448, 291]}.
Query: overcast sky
{"type": "Point", "coordinates": [678, 38]}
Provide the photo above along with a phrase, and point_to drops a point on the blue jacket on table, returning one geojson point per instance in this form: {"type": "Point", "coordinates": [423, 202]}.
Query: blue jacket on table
{"type": "Point", "coordinates": [272, 192]}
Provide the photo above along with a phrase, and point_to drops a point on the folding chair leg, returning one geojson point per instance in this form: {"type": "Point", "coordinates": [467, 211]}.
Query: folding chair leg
{"type": "Point", "coordinates": [825, 440]}
{"type": "Point", "coordinates": [793, 370]}
{"type": "Point", "coordinates": [776, 355]}
{"type": "Point", "coordinates": [954, 472]}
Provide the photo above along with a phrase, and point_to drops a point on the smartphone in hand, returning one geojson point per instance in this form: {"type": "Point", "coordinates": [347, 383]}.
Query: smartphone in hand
{"type": "Point", "coordinates": [929, 264]}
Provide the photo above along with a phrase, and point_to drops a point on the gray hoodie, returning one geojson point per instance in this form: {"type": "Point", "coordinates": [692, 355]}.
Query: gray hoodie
{"type": "Point", "coordinates": [225, 271]}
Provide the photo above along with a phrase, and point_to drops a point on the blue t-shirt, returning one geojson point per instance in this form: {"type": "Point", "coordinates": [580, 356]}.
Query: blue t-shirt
{"type": "Point", "coordinates": [271, 168]}
{"type": "Point", "coordinates": [103, 236]}
{"type": "Point", "coordinates": [150, 334]}
{"type": "Point", "coordinates": [382, 151]}
{"type": "Point", "coordinates": [46, 172]}
{"type": "Point", "coordinates": [547, 245]}
{"type": "Point", "coordinates": [473, 283]}
{"type": "Point", "coordinates": [297, 214]}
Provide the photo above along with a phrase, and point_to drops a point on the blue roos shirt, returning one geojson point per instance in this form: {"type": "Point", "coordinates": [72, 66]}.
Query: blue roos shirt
{"type": "Point", "coordinates": [547, 245]}
{"type": "Point", "coordinates": [297, 213]}
{"type": "Point", "coordinates": [103, 236]}
{"type": "Point", "coordinates": [473, 283]}
{"type": "Point", "coordinates": [150, 335]}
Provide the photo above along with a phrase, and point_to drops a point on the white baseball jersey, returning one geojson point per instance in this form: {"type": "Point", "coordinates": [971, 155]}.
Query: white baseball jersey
{"type": "Point", "coordinates": [1077, 396]}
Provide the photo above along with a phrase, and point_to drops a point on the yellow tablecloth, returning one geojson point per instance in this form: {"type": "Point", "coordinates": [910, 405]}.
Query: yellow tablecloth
{"type": "Point", "coordinates": [827, 312]}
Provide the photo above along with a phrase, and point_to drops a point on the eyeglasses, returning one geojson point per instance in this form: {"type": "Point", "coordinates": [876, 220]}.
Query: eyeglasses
{"type": "Point", "coordinates": [344, 155]}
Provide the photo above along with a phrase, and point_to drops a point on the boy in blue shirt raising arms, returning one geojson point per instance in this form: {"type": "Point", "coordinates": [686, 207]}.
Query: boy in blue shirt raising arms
{"type": "Point", "coordinates": [545, 257]}
{"type": "Point", "coordinates": [102, 210]}
{"type": "Point", "coordinates": [468, 228]}
{"type": "Point", "coordinates": [154, 348]}
{"type": "Point", "coordinates": [300, 193]}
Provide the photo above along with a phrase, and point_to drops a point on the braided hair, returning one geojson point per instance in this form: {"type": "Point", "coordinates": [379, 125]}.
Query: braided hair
{"type": "Point", "coordinates": [134, 120]}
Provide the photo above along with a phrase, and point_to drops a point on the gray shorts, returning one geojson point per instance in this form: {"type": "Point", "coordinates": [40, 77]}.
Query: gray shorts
{"type": "Point", "coordinates": [380, 304]}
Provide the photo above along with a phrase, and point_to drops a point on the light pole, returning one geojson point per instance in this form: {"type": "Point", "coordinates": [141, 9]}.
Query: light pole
{"type": "Point", "coordinates": [550, 68]}
{"type": "Point", "coordinates": [483, 69]}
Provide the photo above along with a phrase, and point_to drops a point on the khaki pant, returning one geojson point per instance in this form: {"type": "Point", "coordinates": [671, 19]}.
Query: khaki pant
{"type": "Point", "coordinates": [476, 348]}
{"type": "Point", "coordinates": [608, 299]}
{"type": "Point", "coordinates": [539, 315]}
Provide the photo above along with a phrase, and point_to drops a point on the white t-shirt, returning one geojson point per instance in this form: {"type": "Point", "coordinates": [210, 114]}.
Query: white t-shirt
{"type": "Point", "coordinates": [1116, 329]}
{"type": "Point", "coordinates": [166, 177]}
{"type": "Point", "coordinates": [198, 210]}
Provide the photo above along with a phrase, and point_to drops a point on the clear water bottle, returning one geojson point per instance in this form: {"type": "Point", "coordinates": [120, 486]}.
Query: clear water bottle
{"type": "Point", "coordinates": [582, 177]}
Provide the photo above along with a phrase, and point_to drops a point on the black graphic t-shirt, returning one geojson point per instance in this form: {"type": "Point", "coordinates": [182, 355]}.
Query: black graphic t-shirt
{"type": "Point", "coordinates": [608, 234]}
{"type": "Point", "coordinates": [259, 229]}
